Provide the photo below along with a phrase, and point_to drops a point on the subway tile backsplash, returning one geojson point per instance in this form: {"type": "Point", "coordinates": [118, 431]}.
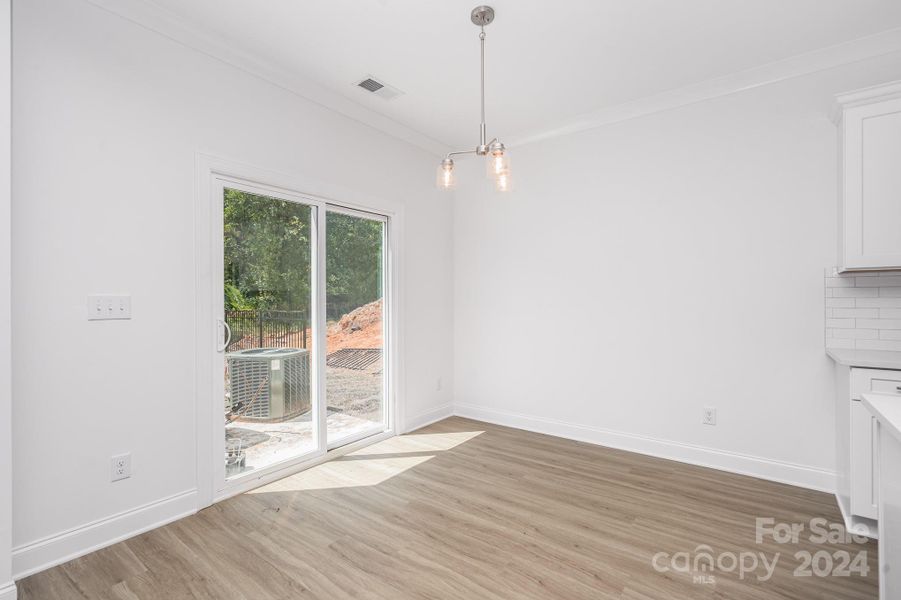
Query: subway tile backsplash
{"type": "Point", "coordinates": [863, 310]}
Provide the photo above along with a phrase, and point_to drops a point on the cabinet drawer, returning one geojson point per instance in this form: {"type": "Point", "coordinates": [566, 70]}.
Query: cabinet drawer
{"type": "Point", "coordinates": [879, 381]}
{"type": "Point", "coordinates": [885, 386]}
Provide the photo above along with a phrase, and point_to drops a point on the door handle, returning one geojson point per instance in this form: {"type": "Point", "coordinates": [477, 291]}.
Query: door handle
{"type": "Point", "coordinates": [226, 334]}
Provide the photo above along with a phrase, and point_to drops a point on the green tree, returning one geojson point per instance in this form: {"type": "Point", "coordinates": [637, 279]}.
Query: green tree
{"type": "Point", "coordinates": [267, 252]}
{"type": "Point", "coordinates": [268, 255]}
{"type": "Point", "coordinates": [353, 261]}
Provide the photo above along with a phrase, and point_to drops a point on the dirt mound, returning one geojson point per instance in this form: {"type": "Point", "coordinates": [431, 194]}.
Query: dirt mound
{"type": "Point", "coordinates": [360, 328]}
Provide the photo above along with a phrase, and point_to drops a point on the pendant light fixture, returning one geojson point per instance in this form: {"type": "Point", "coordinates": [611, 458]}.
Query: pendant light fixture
{"type": "Point", "coordinates": [498, 160]}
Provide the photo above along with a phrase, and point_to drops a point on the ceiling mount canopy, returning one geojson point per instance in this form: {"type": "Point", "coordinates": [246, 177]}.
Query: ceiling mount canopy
{"type": "Point", "coordinates": [498, 161]}
{"type": "Point", "coordinates": [482, 15]}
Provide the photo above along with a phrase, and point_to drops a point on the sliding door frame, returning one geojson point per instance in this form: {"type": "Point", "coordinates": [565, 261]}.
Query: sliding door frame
{"type": "Point", "coordinates": [387, 329]}
{"type": "Point", "coordinates": [211, 175]}
{"type": "Point", "coordinates": [223, 485]}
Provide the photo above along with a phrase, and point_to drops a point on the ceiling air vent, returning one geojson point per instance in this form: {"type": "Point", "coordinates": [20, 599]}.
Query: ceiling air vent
{"type": "Point", "coordinates": [379, 88]}
{"type": "Point", "coordinates": [370, 84]}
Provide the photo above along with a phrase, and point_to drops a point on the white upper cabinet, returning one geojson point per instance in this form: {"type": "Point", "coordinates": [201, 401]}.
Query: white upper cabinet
{"type": "Point", "coordinates": [870, 168]}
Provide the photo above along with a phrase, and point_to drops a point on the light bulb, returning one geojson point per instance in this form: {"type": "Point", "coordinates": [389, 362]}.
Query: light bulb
{"type": "Point", "coordinates": [445, 179]}
{"type": "Point", "coordinates": [498, 163]}
{"type": "Point", "coordinates": [503, 182]}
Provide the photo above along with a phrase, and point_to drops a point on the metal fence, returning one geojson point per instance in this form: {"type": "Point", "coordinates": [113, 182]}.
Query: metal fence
{"type": "Point", "coordinates": [267, 329]}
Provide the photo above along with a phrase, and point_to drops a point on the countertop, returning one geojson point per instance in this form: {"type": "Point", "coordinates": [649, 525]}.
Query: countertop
{"type": "Point", "coordinates": [872, 359]}
{"type": "Point", "coordinates": [887, 409]}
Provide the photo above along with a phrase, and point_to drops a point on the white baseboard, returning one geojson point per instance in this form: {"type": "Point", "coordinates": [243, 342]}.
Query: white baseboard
{"type": "Point", "coordinates": [62, 547]}
{"type": "Point", "coordinates": [430, 416]}
{"type": "Point", "coordinates": [755, 466]}
{"type": "Point", "coordinates": [8, 591]}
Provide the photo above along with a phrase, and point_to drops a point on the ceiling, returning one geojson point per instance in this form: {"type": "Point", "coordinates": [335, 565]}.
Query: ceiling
{"type": "Point", "coordinates": [546, 62]}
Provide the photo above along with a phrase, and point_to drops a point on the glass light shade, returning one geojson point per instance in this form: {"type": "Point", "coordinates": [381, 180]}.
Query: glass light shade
{"type": "Point", "coordinates": [503, 182]}
{"type": "Point", "coordinates": [497, 164]}
{"type": "Point", "coordinates": [445, 179]}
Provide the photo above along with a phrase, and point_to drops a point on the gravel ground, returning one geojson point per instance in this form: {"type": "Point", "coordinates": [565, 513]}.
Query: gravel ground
{"type": "Point", "coordinates": [356, 393]}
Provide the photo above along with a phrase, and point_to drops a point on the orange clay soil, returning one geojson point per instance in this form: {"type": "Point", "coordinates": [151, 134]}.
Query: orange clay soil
{"type": "Point", "coordinates": [360, 328]}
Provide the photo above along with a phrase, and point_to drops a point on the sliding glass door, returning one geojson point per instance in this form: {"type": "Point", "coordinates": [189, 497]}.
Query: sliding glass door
{"type": "Point", "coordinates": [270, 351]}
{"type": "Point", "coordinates": [355, 373]}
{"type": "Point", "coordinates": [301, 358]}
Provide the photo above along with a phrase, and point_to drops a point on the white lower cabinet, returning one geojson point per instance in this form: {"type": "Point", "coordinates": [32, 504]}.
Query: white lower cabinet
{"type": "Point", "coordinates": [863, 473]}
{"type": "Point", "coordinates": [862, 477]}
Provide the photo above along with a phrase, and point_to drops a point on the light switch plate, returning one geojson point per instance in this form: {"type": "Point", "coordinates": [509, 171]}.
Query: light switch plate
{"type": "Point", "coordinates": [108, 307]}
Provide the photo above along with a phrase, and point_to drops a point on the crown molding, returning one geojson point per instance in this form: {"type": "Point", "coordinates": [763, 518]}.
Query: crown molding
{"type": "Point", "coordinates": [157, 19]}
{"type": "Point", "coordinates": [830, 57]}
{"type": "Point", "coordinates": [876, 93]}
{"type": "Point", "coordinates": [861, 97]}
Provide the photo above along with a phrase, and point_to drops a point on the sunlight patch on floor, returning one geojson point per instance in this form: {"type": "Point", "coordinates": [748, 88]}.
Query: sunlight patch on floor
{"type": "Point", "coordinates": [371, 465]}
{"type": "Point", "coordinates": [421, 442]}
{"type": "Point", "coordinates": [340, 473]}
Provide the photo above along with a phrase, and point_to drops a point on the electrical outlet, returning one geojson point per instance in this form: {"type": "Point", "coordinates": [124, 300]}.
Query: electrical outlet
{"type": "Point", "coordinates": [709, 416]}
{"type": "Point", "coordinates": [120, 467]}
{"type": "Point", "coordinates": [438, 385]}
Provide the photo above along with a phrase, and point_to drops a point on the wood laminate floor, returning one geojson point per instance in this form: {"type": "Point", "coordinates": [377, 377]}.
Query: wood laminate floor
{"type": "Point", "coordinates": [464, 509]}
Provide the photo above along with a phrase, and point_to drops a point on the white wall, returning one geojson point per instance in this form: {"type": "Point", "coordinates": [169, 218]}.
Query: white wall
{"type": "Point", "coordinates": [649, 268]}
{"type": "Point", "coordinates": [109, 117]}
{"type": "Point", "coordinates": [7, 588]}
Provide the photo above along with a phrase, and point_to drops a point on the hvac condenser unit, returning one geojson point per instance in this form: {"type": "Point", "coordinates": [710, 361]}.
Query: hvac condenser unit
{"type": "Point", "coordinates": [269, 384]}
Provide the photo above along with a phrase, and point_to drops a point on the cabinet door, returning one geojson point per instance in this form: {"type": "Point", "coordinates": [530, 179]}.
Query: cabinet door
{"type": "Point", "coordinates": [863, 464]}
{"type": "Point", "coordinates": [871, 195]}
{"type": "Point", "coordinates": [862, 479]}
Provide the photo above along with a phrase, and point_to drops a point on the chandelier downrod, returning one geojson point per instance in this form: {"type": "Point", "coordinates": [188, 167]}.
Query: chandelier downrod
{"type": "Point", "coordinates": [482, 128]}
